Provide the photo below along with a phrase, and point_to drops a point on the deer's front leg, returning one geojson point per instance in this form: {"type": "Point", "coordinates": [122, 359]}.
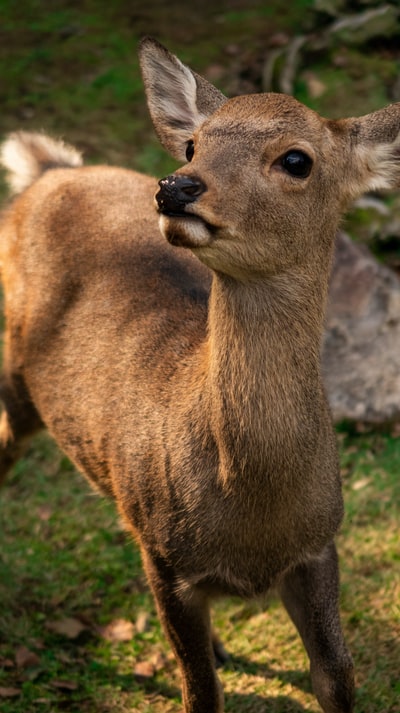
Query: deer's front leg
{"type": "Point", "coordinates": [310, 594]}
{"type": "Point", "coordinates": [184, 613]}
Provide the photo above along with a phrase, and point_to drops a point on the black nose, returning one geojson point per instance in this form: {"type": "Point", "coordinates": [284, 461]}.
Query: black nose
{"type": "Point", "coordinates": [176, 192]}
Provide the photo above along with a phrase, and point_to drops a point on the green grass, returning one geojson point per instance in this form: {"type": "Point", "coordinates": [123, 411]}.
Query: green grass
{"type": "Point", "coordinates": [64, 555]}
{"type": "Point", "coordinates": [370, 552]}
{"type": "Point", "coordinates": [72, 69]}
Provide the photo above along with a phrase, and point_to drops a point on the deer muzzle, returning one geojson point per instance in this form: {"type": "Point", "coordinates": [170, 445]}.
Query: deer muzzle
{"type": "Point", "coordinates": [177, 192]}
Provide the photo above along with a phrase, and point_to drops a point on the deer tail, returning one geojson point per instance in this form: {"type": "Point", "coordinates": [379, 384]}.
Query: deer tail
{"type": "Point", "coordinates": [26, 156]}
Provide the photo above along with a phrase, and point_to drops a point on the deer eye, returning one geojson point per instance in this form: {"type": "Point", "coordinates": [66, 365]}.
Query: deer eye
{"type": "Point", "coordinates": [297, 163]}
{"type": "Point", "coordinates": [189, 150]}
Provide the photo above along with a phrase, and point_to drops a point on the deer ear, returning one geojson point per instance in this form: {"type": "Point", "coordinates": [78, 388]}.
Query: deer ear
{"type": "Point", "coordinates": [179, 100]}
{"type": "Point", "coordinates": [376, 142]}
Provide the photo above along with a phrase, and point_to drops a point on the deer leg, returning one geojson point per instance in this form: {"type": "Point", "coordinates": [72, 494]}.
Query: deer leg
{"type": "Point", "coordinates": [310, 594]}
{"type": "Point", "coordinates": [184, 613]}
{"type": "Point", "coordinates": [19, 419]}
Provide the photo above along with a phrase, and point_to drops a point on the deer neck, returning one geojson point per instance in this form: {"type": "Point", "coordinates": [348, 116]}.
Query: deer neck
{"type": "Point", "coordinates": [264, 384]}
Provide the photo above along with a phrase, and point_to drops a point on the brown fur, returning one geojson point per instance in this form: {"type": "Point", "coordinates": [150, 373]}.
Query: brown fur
{"type": "Point", "coordinates": [189, 389]}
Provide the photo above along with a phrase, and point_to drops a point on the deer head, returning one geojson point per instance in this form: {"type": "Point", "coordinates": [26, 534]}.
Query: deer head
{"type": "Point", "coordinates": [266, 178]}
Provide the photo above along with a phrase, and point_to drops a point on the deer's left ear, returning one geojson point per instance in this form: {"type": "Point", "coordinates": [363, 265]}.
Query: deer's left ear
{"type": "Point", "coordinates": [375, 150]}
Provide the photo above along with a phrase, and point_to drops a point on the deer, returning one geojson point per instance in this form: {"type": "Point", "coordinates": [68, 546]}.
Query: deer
{"type": "Point", "coordinates": [168, 336]}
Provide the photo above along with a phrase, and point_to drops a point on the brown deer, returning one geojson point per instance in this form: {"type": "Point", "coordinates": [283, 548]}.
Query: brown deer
{"type": "Point", "coordinates": [185, 381]}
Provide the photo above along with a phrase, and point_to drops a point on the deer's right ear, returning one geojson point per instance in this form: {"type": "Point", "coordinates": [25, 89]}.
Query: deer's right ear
{"type": "Point", "coordinates": [179, 100]}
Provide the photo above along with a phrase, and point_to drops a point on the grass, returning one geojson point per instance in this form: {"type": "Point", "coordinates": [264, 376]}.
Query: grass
{"type": "Point", "coordinates": [64, 557]}
{"type": "Point", "coordinates": [72, 68]}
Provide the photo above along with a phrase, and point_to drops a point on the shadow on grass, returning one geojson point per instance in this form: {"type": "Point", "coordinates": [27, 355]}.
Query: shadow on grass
{"type": "Point", "coordinates": [376, 653]}
{"type": "Point", "coordinates": [104, 676]}
{"type": "Point", "coordinates": [298, 678]}
{"type": "Point", "coordinates": [238, 702]}
{"type": "Point", "coordinates": [30, 595]}
{"type": "Point", "coordinates": [253, 703]}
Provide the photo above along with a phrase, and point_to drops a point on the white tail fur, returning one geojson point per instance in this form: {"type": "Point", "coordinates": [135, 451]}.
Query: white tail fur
{"type": "Point", "coordinates": [26, 156]}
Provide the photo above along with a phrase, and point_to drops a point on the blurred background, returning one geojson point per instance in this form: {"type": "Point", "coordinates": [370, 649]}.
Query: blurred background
{"type": "Point", "coordinates": [70, 68]}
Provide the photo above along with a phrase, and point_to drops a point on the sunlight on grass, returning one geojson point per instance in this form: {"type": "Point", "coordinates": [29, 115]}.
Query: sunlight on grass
{"type": "Point", "coordinates": [64, 554]}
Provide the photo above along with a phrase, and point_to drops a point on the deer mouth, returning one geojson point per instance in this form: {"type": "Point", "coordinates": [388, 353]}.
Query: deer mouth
{"type": "Point", "coordinates": [187, 230]}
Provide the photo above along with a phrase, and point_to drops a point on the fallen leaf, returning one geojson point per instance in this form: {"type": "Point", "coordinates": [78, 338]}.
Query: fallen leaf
{"type": "Point", "coordinates": [69, 627]}
{"type": "Point", "coordinates": [25, 658]}
{"type": "Point", "coordinates": [65, 685]}
{"type": "Point", "coordinates": [9, 692]}
{"type": "Point", "coordinates": [361, 483]}
{"type": "Point", "coordinates": [142, 622]}
{"type": "Point", "coordinates": [159, 661]}
{"type": "Point", "coordinates": [144, 669]}
{"type": "Point", "coordinates": [44, 513]}
{"type": "Point", "coordinates": [118, 630]}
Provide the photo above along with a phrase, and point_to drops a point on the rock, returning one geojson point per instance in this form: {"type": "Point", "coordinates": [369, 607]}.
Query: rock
{"type": "Point", "coordinates": [361, 350]}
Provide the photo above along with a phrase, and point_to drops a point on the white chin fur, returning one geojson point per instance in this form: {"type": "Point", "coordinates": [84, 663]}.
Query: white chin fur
{"type": "Point", "coordinates": [186, 232]}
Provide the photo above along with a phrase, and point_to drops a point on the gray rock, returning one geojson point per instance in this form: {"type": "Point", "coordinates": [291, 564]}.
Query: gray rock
{"type": "Point", "coordinates": [361, 350]}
